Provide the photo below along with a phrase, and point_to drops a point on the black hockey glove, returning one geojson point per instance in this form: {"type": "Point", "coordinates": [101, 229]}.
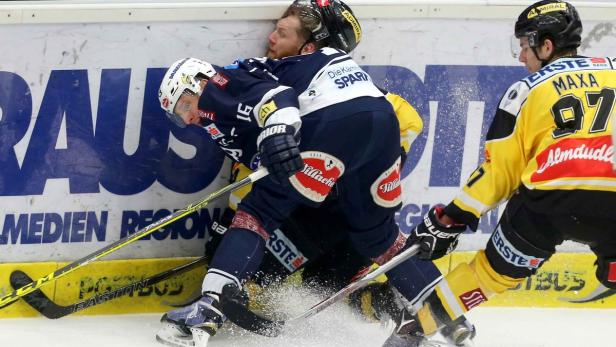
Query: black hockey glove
{"type": "Point", "coordinates": [434, 238]}
{"type": "Point", "coordinates": [279, 152]}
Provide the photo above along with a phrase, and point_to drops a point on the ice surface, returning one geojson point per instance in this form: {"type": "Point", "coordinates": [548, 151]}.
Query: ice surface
{"type": "Point", "coordinates": [336, 326]}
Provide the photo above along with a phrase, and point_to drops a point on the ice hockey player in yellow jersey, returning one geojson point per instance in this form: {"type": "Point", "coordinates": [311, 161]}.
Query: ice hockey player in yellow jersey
{"type": "Point", "coordinates": [549, 153]}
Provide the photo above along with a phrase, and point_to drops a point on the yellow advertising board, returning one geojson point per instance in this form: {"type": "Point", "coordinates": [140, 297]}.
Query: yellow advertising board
{"type": "Point", "coordinates": [566, 280]}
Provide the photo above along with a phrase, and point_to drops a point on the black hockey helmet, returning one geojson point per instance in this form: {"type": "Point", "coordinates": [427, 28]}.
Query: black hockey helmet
{"type": "Point", "coordinates": [554, 19]}
{"type": "Point", "coordinates": [334, 22]}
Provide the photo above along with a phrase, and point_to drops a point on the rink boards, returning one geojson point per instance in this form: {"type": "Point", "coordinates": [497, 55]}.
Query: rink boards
{"type": "Point", "coordinates": [87, 156]}
{"type": "Point", "coordinates": [566, 276]}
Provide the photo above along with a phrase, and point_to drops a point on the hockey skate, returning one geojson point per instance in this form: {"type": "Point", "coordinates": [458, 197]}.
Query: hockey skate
{"type": "Point", "coordinates": [408, 333]}
{"type": "Point", "coordinates": [193, 325]}
{"type": "Point", "coordinates": [460, 332]}
{"type": "Point", "coordinates": [376, 302]}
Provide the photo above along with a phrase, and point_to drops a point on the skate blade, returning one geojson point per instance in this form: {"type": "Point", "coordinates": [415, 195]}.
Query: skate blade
{"type": "Point", "coordinates": [399, 341]}
{"type": "Point", "coordinates": [200, 336]}
{"type": "Point", "coordinates": [170, 335]}
{"type": "Point", "coordinates": [438, 340]}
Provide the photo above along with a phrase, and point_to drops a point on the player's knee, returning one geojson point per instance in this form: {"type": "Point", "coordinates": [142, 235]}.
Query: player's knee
{"type": "Point", "coordinates": [509, 254]}
{"type": "Point", "coordinates": [488, 279]}
{"type": "Point", "coordinates": [467, 286]}
{"type": "Point", "coordinates": [606, 271]}
{"type": "Point", "coordinates": [247, 221]}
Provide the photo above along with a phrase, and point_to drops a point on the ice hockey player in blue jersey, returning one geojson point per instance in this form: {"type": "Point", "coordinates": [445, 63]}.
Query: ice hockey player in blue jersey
{"type": "Point", "coordinates": [254, 118]}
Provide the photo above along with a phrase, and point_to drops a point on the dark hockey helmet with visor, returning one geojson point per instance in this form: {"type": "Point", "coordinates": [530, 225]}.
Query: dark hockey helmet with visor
{"type": "Point", "coordinates": [554, 19]}
{"type": "Point", "coordinates": [330, 20]}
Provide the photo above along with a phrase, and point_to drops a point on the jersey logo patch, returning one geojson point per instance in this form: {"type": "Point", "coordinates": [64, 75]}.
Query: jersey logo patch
{"type": "Point", "coordinates": [320, 173]}
{"type": "Point", "coordinates": [266, 110]}
{"type": "Point", "coordinates": [575, 157]}
{"type": "Point", "coordinates": [211, 115]}
{"type": "Point", "coordinates": [386, 190]}
{"type": "Point", "coordinates": [220, 80]}
{"type": "Point", "coordinates": [472, 298]}
{"type": "Point", "coordinates": [285, 251]}
{"type": "Point", "coordinates": [165, 102]}
{"type": "Point", "coordinates": [511, 254]}
{"type": "Point", "coordinates": [214, 132]}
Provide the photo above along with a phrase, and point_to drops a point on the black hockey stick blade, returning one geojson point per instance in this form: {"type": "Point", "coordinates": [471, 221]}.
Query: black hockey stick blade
{"type": "Point", "coordinates": [37, 299]}
{"type": "Point", "coordinates": [45, 306]}
{"type": "Point", "coordinates": [242, 316]}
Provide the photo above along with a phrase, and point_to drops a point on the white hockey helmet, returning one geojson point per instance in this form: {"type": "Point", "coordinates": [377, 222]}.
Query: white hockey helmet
{"type": "Point", "coordinates": [183, 75]}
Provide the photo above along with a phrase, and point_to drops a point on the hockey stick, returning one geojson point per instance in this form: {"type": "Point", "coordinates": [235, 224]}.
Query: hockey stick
{"type": "Point", "coordinates": [20, 292]}
{"type": "Point", "coordinates": [234, 308]}
{"type": "Point", "coordinates": [599, 293]}
{"type": "Point", "coordinates": [45, 306]}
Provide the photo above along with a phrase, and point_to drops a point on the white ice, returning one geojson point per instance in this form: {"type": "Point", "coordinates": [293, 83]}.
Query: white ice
{"type": "Point", "coordinates": [334, 327]}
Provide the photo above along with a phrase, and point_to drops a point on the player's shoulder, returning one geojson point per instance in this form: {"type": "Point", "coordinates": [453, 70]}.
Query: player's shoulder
{"type": "Point", "coordinates": [514, 98]}
{"type": "Point", "coordinates": [517, 94]}
{"type": "Point", "coordinates": [567, 65]}
{"type": "Point", "coordinates": [249, 72]}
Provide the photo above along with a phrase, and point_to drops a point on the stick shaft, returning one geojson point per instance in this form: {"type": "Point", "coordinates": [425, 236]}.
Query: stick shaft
{"type": "Point", "coordinates": [351, 288]}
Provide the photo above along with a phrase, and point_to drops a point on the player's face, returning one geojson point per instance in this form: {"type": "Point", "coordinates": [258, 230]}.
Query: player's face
{"type": "Point", "coordinates": [528, 57]}
{"type": "Point", "coordinates": [187, 108]}
{"type": "Point", "coordinates": [285, 40]}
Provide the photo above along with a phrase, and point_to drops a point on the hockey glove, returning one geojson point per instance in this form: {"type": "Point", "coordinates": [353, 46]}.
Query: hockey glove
{"type": "Point", "coordinates": [279, 152]}
{"type": "Point", "coordinates": [434, 238]}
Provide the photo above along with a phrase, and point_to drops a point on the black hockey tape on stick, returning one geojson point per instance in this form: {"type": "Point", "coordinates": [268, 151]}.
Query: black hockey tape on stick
{"type": "Point", "coordinates": [45, 306]}
{"type": "Point", "coordinates": [27, 289]}
{"type": "Point", "coordinates": [243, 317]}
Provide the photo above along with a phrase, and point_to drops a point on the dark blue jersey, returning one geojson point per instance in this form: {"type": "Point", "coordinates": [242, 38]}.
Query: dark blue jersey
{"type": "Point", "coordinates": [244, 97]}
{"type": "Point", "coordinates": [236, 104]}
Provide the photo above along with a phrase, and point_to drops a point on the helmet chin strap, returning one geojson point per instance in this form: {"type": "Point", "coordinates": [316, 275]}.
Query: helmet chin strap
{"type": "Point", "coordinates": [544, 62]}
{"type": "Point", "coordinates": [552, 57]}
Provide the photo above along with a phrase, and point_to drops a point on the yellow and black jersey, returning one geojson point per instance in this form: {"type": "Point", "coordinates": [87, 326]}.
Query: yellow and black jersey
{"type": "Point", "coordinates": [409, 119]}
{"type": "Point", "coordinates": [551, 140]}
